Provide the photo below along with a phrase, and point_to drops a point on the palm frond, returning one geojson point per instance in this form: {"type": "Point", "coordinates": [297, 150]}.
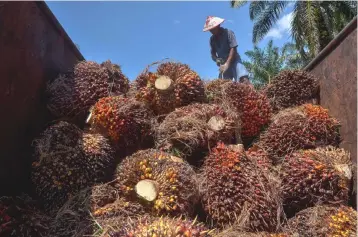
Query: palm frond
{"type": "Point", "coordinates": [237, 3]}
{"type": "Point", "coordinates": [267, 19]}
{"type": "Point", "coordinates": [256, 8]}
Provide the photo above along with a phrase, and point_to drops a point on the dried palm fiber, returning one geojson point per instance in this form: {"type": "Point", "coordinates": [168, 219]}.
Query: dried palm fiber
{"type": "Point", "coordinates": [72, 94]}
{"type": "Point", "coordinates": [214, 90]}
{"type": "Point", "coordinates": [253, 106]}
{"type": "Point", "coordinates": [171, 85]}
{"type": "Point", "coordinates": [162, 227]}
{"type": "Point", "coordinates": [68, 160]}
{"type": "Point", "coordinates": [236, 191]}
{"type": "Point", "coordinates": [164, 184]}
{"type": "Point", "coordinates": [310, 177]}
{"type": "Point", "coordinates": [93, 211]}
{"type": "Point", "coordinates": [126, 121]}
{"type": "Point", "coordinates": [261, 157]}
{"type": "Point", "coordinates": [324, 220]}
{"type": "Point", "coordinates": [232, 232]}
{"type": "Point", "coordinates": [303, 127]}
{"type": "Point", "coordinates": [195, 128]}
{"type": "Point", "coordinates": [20, 217]}
{"type": "Point", "coordinates": [291, 88]}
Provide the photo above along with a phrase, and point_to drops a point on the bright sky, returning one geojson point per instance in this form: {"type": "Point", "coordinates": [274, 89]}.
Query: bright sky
{"type": "Point", "coordinates": [135, 34]}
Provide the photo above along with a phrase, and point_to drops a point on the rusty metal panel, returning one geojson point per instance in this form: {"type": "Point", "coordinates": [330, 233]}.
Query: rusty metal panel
{"type": "Point", "coordinates": [33, 49]}
{"type": "Point", "coordinates": [338, 88]}
{"type": "Point", "coordinates": [336, 67]}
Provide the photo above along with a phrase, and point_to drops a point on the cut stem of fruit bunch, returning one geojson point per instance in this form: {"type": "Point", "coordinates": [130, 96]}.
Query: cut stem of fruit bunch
{"type": "Point", "coordinates": [168, 186]}
{"type": "Point", "coordinates": [192, 130]}
{"type": "Point", "coordinates": [171, 86]}
{"type": "Point", "coordinates": [252, 106]}
{"type": "Point", "coordinates": [147, 190]}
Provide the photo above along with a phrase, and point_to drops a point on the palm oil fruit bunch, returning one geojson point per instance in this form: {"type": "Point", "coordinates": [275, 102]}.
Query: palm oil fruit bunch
{"type": "Point", "coordinates": [291, 88]}
{"type": "Point", "coordinates": [20, 217]}
{"type": "Point", "coordinates": [316, 176]}
{"type": "Point", "coordinates": [193, 129]}
{"type": "Point", "coordinates": [172, 85]}
{"type": "Point", "coordinates": [235, 190]}
{"type": "Point", "coordinates": [303, 127]}
{"type": "Point", "coordinates": [231, 232]}
{"type": "Point", "coordinates": [253, 107]}
{"type": "Point", "coordinates": [68, 160]}
{"type": "Point", "coordinates": [324, 221]}
{"type": "Point", "coordinates": [71, 95]}
{"type": "Point", "coordinates": [261, 157]}
{"type": "Point", "coordinates": [214, 90]}
{"type": "Point", "coordinates": [93, 210]}
{"type": "Point", "coordinates": [126, 121]}
{"type": "Point", "coordinates": [162, 183]}
{"type": "Point", "coordinates": [163, 227]}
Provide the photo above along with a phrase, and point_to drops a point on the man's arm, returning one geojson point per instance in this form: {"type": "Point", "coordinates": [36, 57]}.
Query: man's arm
{"type": "Point", "coordinates": [232, 55]}
{"type": "Point", "coordinates": [233, 47]}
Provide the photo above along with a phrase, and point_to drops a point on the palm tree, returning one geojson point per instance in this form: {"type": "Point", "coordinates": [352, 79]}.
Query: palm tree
{"type": "Point", "coordinates": [264, 64]}
{"type": "Point", "coordinates": [314, 23]}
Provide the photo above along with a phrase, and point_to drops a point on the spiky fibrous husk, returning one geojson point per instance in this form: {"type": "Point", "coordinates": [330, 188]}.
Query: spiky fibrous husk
{"type": "Point", "coordinates": [231, 232]}
{"type": "Point", "coordinates": [93, 211]}
{"type": "Point", "coordinates": [68, 160]}
{"type": "Point", "coordinates": [214, 90]}
{"type": "Point", "coordinates": [236, 191]}
{"type": "Point", "coordinates": [187, 131]}
{"type": "Point", "coordinates": [20, 217]}
{"type": "Point", "coordinates": [291, 88]}
{"type": "Point", "coordinates": [303, 127]}
{"type": "Point", "coordinates": [187, 87]}
{"type": "Point", "coordinates": [324, 221]}
{"type": "Point", "coordinates": [315, 176]}
{"type": "Point", "coordinates": [261, 157]}
{"type": "Point", "coordinates": [162, 227]}
{"type": "Point", "coordinates": [253, 107]}
{"type": "Point", "coordinates": [176, 189]}
{"type": "Point", "coordinates": [72, 94]}
{"type": "Point", "coordinates": [126, 121]}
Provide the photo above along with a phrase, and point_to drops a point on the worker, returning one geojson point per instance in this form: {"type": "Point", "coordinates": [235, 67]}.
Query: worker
{"type": "Point", "coordinates": [223, 47]}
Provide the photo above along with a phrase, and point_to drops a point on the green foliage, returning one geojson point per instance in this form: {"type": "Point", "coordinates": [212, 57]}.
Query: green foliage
{"type": "Point", "coordinates": [314, 23]}
{"type": "Point", "coordinates": [264, 64]}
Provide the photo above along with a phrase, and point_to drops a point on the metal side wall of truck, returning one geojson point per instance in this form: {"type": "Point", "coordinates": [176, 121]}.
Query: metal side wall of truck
{"type": "Point", "coordinates": [336, 67]}
{"type": "Point", "coordinates": [34, 48]}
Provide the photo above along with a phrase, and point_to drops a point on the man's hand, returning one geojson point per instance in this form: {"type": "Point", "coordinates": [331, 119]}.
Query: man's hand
{"type": "Point", "coordinates": [223, 68]}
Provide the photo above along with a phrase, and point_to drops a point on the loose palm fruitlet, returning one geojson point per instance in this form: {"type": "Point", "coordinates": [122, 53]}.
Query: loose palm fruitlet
{"type": "Point", "coordinates": [291, 88]}
{"type": "Point", "coordinates": [253, 107]}
{"type": "Point", "coordinates": [20, 217]}
{"type": "Point", "coordinates": [324, 221]}
{"type": "Point", "coordinates": [303, 127]}
{"type": "Point", "coordinates": [315, 176]}
{"type": "Point", "coordinates": [196, 128]}
{"type": "Point", "coordinates": [126, 121]}
{"type": "Point", "coordinates": [162, 183]}
{"type": "Point", "coordinates": [72, 94]}
{"type": "Point", "coordinates": [172, 85]}
{"type": "Point", "coordinates": [162, 227]}
{"type": "Point", "coordinates": [236, 191]}
{"type": "Point", "coordinates": [93, 211]}
{"type": "Point", "coordinates": [68, 160]}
